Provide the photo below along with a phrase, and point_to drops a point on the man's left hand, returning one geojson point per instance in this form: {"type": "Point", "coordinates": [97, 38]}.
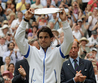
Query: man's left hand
{"type": "Point", "coordinates": [22, 71]}
{"type": "Point", "coordinates": [82, 78]}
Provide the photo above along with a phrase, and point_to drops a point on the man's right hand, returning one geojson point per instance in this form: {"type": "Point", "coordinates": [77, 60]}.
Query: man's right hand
{"type": "Point", "coordinates": [28, 14]}
{"type": "Point", "coordinates": [62, 15]}
{"type": "Point", "coordinates": [79, 77]}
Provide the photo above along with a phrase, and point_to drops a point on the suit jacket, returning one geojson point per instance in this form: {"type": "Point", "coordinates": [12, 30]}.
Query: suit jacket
{"type": "Point", "coordinates": [68, 73]}
{"type": "Point", "coordinates": [1, 61]}
{"type": "Point", "coordinates": [17, 77]}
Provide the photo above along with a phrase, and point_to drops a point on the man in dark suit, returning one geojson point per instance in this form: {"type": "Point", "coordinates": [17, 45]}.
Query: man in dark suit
{"type": "Point", "coordinates": [21, 73]}
{"type": "Point", "coordinates": [77, 70]}
{"type": "Point", "coordinates": [1, 61]}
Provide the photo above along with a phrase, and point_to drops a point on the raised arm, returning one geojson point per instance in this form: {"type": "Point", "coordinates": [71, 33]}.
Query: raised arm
{"type": "Point", "coordinates": [68, 37]}
{"type": "Point", "coordinates": [20, 33]}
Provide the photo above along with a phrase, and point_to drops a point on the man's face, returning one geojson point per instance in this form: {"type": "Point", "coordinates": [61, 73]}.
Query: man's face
{"type": "Point", "coordinates": [74, 50]}
{"type": "Point", "coordinates": [54, 15]}
{"type": "Point", "coordinates": [5, 30]}
{"type": "Point", "coordinates": [2, 40]}
{"type": "Point", "coordinates": [44, 40]}
{"type": "Point", "coordinates": [8, 37]}
{"type": "Point", "coordinates": [11, 46]}
{"type": "Point", "coordinates": [83, 42]}
{"type": "Point", "coordinates": [20, 15]}
{"type": "Point", "coordinates": [48, 2]}
{"type": "Point", "coordinates": [94, 52]}
{"type": "Point", "coordinates": [27, 6]}
{"type": "Point", "coordinates": [80, 23]}
{"type": "Point", "coordinates": [95, 36]}
{"type": "Point", "coordinates": [77, 27]}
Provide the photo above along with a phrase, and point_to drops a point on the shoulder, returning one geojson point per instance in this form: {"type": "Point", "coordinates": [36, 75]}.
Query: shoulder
{"type": "Point", "coordinates": [86, 61]}
{"type": "Point", "coordinates": [2, 66]}
{"type": "Point", "coordinates": [21, 61]}
{"type": "Point", "coordinates": [66, 62]}
{"type": "Point", "coordinates": [15, 20]}
{"type": "Point", "coordinates": [89, 39]}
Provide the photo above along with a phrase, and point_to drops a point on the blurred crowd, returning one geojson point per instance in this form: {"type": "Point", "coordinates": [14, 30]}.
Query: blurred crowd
{"type": "Point", "coordinates": [82, 16]}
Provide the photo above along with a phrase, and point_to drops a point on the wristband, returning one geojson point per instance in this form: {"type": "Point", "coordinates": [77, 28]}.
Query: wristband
{"type": "Point", "coordinates": [26, 20]}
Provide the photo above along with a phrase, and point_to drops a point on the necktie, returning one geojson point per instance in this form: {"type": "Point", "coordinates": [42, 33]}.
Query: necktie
{"type": "Point", "coordinates": [75, 64]}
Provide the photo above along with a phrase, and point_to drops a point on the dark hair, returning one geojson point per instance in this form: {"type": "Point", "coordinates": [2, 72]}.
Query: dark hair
{"type": "Point", "coordinates": [13, 2]}
{"type": "Point", "coordinates": [35, 27]}
{"type": "Point", "coordinates": [9, 65]}
{"type": "Point", "coordinates": [45, 29]}
{"type": "Point", "coordinates": [10, 43]}
{"type": "Point", "coordinates": [2, 12]}
{"type": "Point", "coordinates": [34, 22]}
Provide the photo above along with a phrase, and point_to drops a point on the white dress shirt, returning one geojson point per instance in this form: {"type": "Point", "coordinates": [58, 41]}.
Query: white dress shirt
{"type": "Point", "coordinates": [13, 57]}
{"type": "Point", "coordinates": [3, 49]}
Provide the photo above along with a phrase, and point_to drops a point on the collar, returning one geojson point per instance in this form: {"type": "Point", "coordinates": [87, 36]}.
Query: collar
{"type": "Point", "coordinates": [71, 59]}
{"type": "Point", "coordinates": [47, 51]}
